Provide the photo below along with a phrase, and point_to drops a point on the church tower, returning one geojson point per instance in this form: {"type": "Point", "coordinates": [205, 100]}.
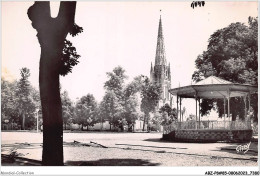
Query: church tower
{"type": "Point", "coordinates": [161, 72]}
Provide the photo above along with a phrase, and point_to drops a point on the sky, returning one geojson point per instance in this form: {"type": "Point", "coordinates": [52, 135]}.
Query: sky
{"type": "Point", "coordinates": [120, 33]}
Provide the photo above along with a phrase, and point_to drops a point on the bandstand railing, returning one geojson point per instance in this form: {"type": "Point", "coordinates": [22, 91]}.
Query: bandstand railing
{"type": "Point", "coordinates": [207, 125]}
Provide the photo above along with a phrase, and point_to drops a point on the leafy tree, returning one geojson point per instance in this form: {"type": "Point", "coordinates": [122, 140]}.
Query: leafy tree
{"type": "Point", "coordinates": [114, 100]}
{"type": "Point", "coordinates": [8, 101]}
{"type": "Point", "coordinates": [131, 104]}
{"type": "Point", "coordinates": [111, 108]}
{"type": "Point", "coordinates": [13, 100]}
{"type": "Point", "coordinates": [157, 119]}
{"type": "Point", "coordinates": [165, 118]}
{"type": "Point", "coordinates": [115, 82]}
{"type": "Point", "coordinates": [57, 58]}
{"type": "Point", "coordinates": [166, 108]}
{"type": "Point", "coordinates": [150, 97]}
{"type": "Point", "coordinates": [170, 116]}
{"type": "Point", "coordinates": [24, 101]}
{"type": "Point", "coordinates": [35, 94]}
{"type": "Point", "coordinates": [67, 108]}
{"type": "Point", "coordinates": [135, 86]}
{"type": "Point", "coordinates": [130, 110]}
{"type": "Point", "coordinates": [86, 111]}
{"type": "Point", "coordinates": [101, 117]}
{"type": "Point", "coordinates": [232, 55]}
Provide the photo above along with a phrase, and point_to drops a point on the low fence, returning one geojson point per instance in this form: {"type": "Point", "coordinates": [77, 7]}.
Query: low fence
{"type": "Point", "coordinates": [208, 125]}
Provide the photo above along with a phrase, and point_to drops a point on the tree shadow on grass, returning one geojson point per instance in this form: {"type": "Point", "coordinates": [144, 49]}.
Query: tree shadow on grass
{"type": "Point", "coordinates": [161, 140]}
{"type": "Point", "coordinates": [157, 140]}
{"type": "Point", "coordinates": [112, 162]}
{"type": "Point", "coordinates": [151, 146]}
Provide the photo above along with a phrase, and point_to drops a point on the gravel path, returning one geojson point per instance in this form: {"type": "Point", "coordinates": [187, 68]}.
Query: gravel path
{"type": "Point", "coordinates": [141, 149]}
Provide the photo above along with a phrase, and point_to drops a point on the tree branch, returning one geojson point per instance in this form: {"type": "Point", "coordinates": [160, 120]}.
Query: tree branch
{"type": "Point", "coordinates": [67, 13]}
{"type": "Point", "coordinates": [39, 13]}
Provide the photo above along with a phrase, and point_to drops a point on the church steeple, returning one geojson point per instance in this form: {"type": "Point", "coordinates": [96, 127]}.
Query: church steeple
{"type": "Point", "coordinates": [160, 58]}
{"type": "Point", "coordinates": [160, 74]}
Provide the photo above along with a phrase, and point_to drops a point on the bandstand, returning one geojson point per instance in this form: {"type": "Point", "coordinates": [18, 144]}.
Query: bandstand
{"type": "Point", "coordinates": [211, 131]}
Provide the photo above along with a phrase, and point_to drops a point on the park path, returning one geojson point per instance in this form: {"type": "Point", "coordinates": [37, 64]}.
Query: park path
{"type": "Point", "coordinates": [136, 147]}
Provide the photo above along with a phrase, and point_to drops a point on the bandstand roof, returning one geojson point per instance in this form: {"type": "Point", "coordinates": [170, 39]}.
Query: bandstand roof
{"type": "Point", "coordinates": [214, 87]}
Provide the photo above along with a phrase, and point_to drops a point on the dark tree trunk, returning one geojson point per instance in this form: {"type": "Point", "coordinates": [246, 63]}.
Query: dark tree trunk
{"type": "Point", "coordinates": [144, 121]}
{"type": "Point", "coordinates": [51, 35]}
{"type": "Point", "coordinates": [52, 153]}
{"type": "Point", "coordinates": [23, 121]}
{"type": "Point", "coordinates": [147, 122]}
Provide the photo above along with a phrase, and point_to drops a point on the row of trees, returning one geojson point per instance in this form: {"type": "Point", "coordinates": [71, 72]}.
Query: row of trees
{"type": "Point", "coordinates": [121, 105]}
{"type": "Point", "coordinates": [19, 101]}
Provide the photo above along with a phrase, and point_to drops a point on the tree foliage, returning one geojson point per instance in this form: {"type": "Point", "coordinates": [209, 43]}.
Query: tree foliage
{"type": "Point", "coordinates": [131, 113]}
{"type": "Point", "coordinates": [19, 101]}
{"type": "Point", "coordinates": [115, 82]}
{"type": "Point", "coordinates": [114, 100]}
{"type": "Point", "coordinates": [232, 55]}
{"type": "Point", "coordinates": [168, 114]}
{"type": "Point", "coordinates": [67, 108]}
{"type": "Point", "coordinates": [135, 86]}
{"type": "Point", "coordinates": [24, 101]}
{"type": "Point", "coordinates": [131, 101]}
{"type": "Point", "coordinates": [69, 54]}
{"type": "Point", "coordinates": [69, 58]}
{"type": "Point", "coordinates": [150, 96]}
{"type": "Point", "coordinates": [8, 101]}
{"type": "Point", "coordinates": [111, 108]}
{"type": "Point", "coordinates": [86, 111]}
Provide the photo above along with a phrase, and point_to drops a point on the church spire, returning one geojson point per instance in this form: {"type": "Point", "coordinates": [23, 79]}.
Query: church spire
{"type": "Point", "coordinates": [160, 58]}
{"type": "Point", "coordinates": [160, 74]}
{"type": "Point", "coordinates": [151, 70]}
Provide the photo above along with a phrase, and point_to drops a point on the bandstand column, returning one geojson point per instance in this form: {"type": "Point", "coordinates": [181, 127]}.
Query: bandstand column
{"type": "Point", "coordinates": [196, 112]}
{"type": "Point", "coordinates": [177, 108]}
{"type": "Point", "coordinates": [180, 110]}
{"type": "Point", "coordinates": [249, 102]}
{"type": "Point", "coordinates": [229, 107]}
{"type": "Point", "coordinates": [249, 105]}
{"type": "Point", "coordinates": [225, 112]}
{"type": "Point", "coordinates": [245, 108]}
{"type": "Point", "coordinates": [199, 113]}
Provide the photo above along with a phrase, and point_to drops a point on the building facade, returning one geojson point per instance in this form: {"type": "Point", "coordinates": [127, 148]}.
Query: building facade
{"type": "Point", "coordinates": [160, 73]}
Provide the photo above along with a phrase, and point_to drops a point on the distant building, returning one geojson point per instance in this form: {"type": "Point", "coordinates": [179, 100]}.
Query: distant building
{"type": "Point", "coordinates": [161, 72]}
